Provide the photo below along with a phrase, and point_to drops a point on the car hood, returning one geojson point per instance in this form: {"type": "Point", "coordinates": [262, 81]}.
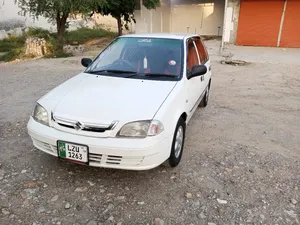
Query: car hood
{"type": "Point", "coordinates": [103, 99]}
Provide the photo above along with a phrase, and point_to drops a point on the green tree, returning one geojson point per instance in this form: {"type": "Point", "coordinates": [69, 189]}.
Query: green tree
{"type": "Point", "coordinates": [124, 9]}
{"type": "Point", "coordinates": [57, 11]}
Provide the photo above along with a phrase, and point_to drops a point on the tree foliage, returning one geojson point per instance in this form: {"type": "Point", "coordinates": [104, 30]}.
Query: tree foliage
{"type": "Point", "coordinates": [151, 4]}
{"type": "Point", "coordinates": [50, 8]}
{"type": "Point", "coordinates": [57, 11]}
{"type": "Point", "coordinates": [124, 9]}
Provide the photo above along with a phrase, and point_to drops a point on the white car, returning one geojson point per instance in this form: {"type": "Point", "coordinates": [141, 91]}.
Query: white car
{"type": "Point", "coordinates": [130, 107]}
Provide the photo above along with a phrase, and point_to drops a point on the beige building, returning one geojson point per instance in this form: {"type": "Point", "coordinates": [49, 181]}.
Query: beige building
{"type": "Point", "coordinates": [241, 22]}
{"type": "Point", "coordinates": [205, 17]}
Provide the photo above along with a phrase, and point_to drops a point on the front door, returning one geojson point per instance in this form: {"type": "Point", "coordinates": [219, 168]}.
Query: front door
{"type": "Point", "coordinates": [204, 60]}
{"type": "Point", "coordinates": [194, 88]}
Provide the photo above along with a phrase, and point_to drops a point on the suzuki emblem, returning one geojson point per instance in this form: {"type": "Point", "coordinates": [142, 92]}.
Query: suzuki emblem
{"type": "Point", "coordinates": [79, 126]}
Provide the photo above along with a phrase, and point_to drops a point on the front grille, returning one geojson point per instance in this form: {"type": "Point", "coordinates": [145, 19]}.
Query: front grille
{"type": "Point", "coordinates": [90, 129]}
{"type": "Point", "coordinates": [95, 158]}
{"type": "Point", "coordinates": [95, 129]}
{"type": "Point", "coordinates": [99, 159]}
{"type": "Point", "coordinates": [114, 159]}
{"type": "Point", "coordinates": [84, 126]}
{"type": "Point", "coordinates": [65, 125]}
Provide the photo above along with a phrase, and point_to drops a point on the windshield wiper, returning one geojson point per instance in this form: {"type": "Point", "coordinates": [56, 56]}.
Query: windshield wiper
{"type": "Point", "coordinates": [159, 75]}
{"type": "Point", "coordinates": [111, 71]}
{"type": "Point", "coordinates": [151, 75]}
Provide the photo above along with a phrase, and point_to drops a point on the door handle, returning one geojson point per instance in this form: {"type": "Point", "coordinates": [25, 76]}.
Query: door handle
{"type": "Point", "coordinates": [202, 78]}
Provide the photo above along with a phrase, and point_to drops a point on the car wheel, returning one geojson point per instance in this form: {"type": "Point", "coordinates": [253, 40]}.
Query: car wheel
{"type": "Point", "coordinates": [177, 144]}
{"type": "Point", "coordinates": [205, 99]}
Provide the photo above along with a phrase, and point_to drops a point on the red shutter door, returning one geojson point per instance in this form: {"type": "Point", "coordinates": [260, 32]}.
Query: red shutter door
{"type": "Point", "coordinates": [259, 22]}
{"type": "Point", "coordinates": [290, 36]}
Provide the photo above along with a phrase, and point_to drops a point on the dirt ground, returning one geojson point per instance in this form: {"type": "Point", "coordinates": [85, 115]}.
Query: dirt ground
{"type": "Point", "coordinates": [241, 162]}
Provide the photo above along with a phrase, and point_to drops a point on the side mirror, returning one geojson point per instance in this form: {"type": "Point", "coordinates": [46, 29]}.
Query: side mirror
{"type": "Point", "coordinates": [86, 62]}
{"type": "Point", "coordinates": [197, 70]}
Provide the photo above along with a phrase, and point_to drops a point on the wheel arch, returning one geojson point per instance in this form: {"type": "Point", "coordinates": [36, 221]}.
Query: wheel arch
{"type": "Point", "coordinates": [184, 116]}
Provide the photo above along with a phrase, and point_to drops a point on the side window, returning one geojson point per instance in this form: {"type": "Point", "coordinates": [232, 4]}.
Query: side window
{"type": "Point", "coordinates": [201, 50]}
{"type": "Point", "coordinates": [192, 56]}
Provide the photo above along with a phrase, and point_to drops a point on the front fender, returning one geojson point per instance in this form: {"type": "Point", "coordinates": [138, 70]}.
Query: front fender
{"type": "Point", "coordinates": [172, 109]}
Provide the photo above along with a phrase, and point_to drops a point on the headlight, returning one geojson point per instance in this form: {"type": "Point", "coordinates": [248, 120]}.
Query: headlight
{"type": "Point", "coordinates": [40, 115]}
{"type": "Point", "coordinates": [141, 129]}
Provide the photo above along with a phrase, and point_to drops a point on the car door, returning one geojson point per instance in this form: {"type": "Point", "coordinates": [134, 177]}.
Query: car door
{"type": "Point", "coordinates": [204, 59]}
{"type": "Point", "coordinates": [194, 88]}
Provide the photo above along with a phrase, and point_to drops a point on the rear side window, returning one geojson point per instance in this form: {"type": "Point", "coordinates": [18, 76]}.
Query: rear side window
{"type": "Point", "coordinates": [192, 56]}
{"type": "Point", "coordinates": [201, 50]}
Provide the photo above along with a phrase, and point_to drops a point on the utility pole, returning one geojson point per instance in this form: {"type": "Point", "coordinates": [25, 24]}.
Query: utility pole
{"type": "Point", "coordinates": [224, 27]}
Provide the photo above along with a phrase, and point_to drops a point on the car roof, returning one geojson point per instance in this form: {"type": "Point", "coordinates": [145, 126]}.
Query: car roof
{"type": "Point", "coordinates": [161, 35]}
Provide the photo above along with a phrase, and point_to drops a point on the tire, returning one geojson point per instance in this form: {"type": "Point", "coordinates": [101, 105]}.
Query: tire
{"type": "Point", "coordinates": [205, 99]}
{"type": "Point", "coordinates": [176, 150]}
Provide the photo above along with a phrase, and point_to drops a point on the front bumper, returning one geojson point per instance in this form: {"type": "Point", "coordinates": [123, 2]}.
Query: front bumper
{"type": "Point", "coordinates": [132, 154]}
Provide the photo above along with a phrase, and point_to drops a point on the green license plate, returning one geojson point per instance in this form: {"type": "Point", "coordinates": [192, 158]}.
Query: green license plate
{"type": "Point", "coordinates": [74, 152]}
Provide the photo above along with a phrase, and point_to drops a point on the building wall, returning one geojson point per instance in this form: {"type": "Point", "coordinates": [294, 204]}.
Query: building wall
{"type": "Point", "coordinates": [166, 10]}
{"type": "Point", "coordinates": [204, 17]}
{"type": "Point", "coordinates": [97, 20]}
{"type": "Point", "coordinates": [180, 16]}
{"type": "Point", "coordinates": [153, 21]}
{"type": "Point", "coordinates": [142, 18]}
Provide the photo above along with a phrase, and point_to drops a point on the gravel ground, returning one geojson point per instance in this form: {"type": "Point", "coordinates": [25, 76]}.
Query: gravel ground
{"type": "Point", "coordinates": [240, 166]}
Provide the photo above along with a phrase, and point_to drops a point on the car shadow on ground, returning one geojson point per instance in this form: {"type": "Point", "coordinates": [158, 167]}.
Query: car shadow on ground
{"type": "Point", "coordinates": [69, 172]}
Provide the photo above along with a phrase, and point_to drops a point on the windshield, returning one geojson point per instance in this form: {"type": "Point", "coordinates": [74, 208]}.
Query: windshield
{"type": "Point", "coordinates": [134, 57]}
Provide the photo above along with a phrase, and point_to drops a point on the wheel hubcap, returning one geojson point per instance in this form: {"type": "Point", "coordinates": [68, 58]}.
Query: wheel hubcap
{"type": "Point", "coordinates": [178, 142]}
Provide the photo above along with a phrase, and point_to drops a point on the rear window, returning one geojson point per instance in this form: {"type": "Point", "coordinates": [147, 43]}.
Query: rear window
{"type": "Point", "coordinates": [201, 50]}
